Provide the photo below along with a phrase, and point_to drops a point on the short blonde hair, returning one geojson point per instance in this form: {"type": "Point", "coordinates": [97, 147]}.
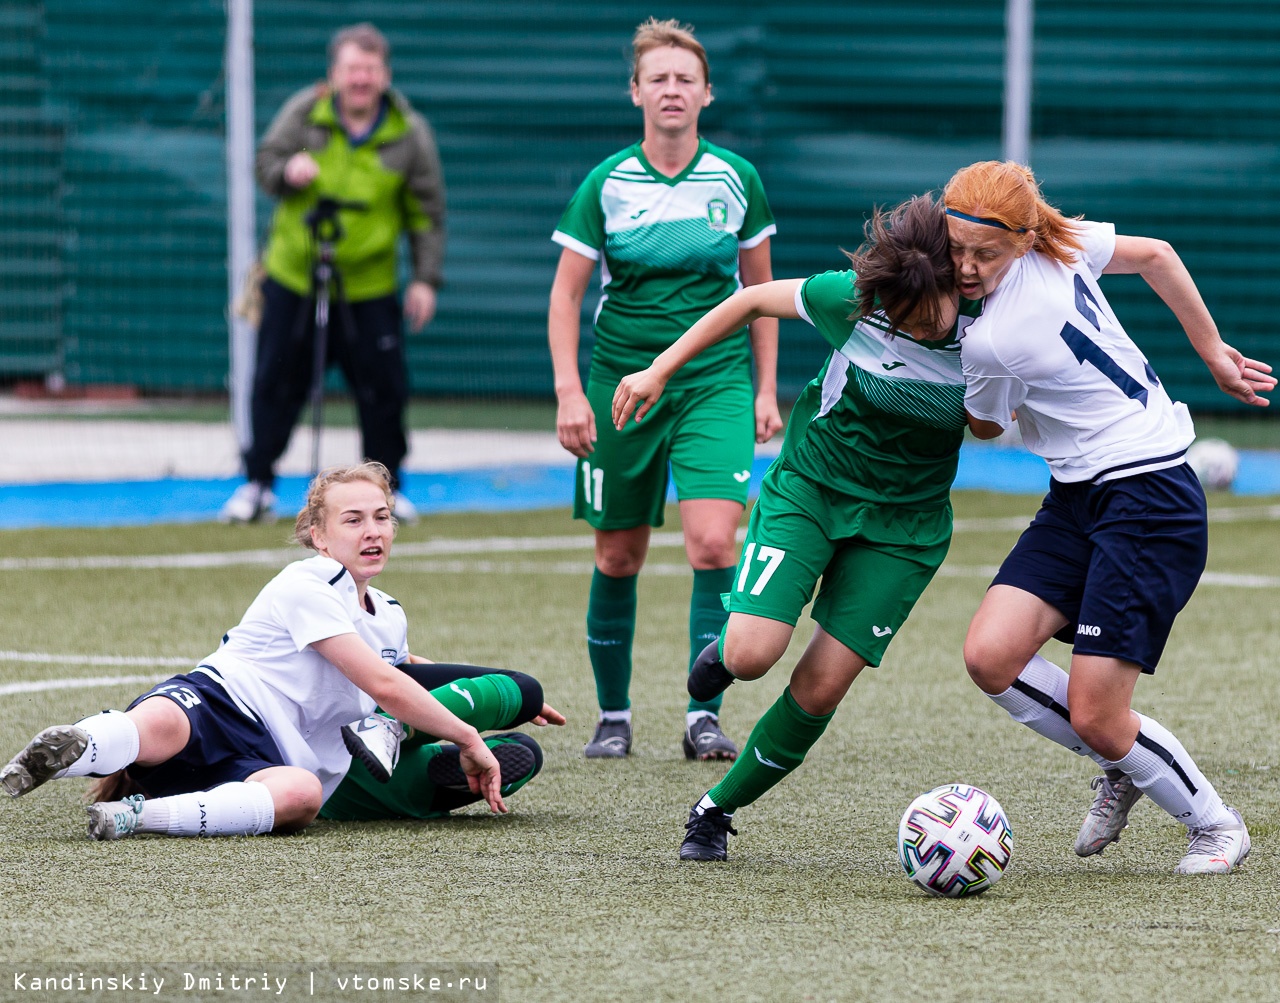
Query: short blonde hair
{"type": "Point", "coordinates": [312, 513]}
{"type": "Point", "coordinates": [654, 34]}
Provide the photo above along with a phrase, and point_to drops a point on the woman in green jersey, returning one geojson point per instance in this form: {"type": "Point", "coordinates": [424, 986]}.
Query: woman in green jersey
{"type": "Point", "coordinates": [859, 496]}
{"type": "Point", "coordinates": [677, 225]}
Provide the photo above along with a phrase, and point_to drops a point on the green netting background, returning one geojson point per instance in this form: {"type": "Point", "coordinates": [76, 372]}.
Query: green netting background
{"type": "Point", "coordinates": [1159, 116]}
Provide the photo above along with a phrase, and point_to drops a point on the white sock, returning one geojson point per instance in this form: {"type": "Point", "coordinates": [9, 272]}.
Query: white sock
{"type": "Point", "coordinates": [694, 716]}
{"type": "Point", "coordinates": [1038, 699]}
{"type": "Point", "coordinates": [238, 809]}
{"type": "Point", "coordinates": [113, 745]}
{"type": "Point", "coordinates": [706, 803]}
{"type": "Point", "coordinates": [1164, 771]}
{"type": "Point", "coordinates": [616, 715]}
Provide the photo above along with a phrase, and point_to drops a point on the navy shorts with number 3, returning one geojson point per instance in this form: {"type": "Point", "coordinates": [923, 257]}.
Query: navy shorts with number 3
{"type": "Point", "coordinates": [1118, 559]}
{"type": "Point", "coordinates": [228, 743]}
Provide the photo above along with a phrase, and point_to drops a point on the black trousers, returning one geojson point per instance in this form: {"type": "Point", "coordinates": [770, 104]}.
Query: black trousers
{"type": "Point", "coordinates": [371, 358]}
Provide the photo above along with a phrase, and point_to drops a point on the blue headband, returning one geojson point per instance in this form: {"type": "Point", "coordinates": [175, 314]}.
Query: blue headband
{"type": "Point", "coordinates": [984, 220]}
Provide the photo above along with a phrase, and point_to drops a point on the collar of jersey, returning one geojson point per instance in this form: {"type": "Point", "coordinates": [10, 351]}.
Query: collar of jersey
{"type": "Point", "coordinates": [657, 175]}
{"type": "Point", "coordinates": [880, 322]}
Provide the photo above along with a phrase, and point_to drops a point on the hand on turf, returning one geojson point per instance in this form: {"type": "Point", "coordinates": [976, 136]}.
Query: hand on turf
{"type": "Point", "coordinates": [768, 417]}
{"type": "Point", "coordinates": [300, 170]}
{"type": "Point", "coordinates": [419, 305]}
{"type": "Point", "coordinates": [484, 775]}
{"type": "Point", "coordinates": [548, 715]}
{"type": "Point", "coordinates": [1242, 378]}
{"type": "Point", "coordinates": [643, 389]}
{"type": "Point", "coordinates": [576, 424]}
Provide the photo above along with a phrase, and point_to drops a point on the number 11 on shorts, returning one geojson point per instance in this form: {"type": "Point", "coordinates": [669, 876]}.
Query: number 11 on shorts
{"type": "Point", "coordinates": [770, 557]}
{"type": "Point", "coordinates": [593, 485]}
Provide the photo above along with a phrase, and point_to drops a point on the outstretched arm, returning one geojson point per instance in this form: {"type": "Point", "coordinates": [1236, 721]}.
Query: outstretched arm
{"type": "Point", "coordinates": [1158, 263]}
{"type": "Point", "coordinates": [640, 391]}
{"type": "Point", "coordinates": [401, 697]}
{"type": "Point", "coordinates": [756, 268]}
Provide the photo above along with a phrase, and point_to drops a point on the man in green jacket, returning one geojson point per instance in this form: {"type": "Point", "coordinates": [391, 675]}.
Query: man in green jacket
{"type": "Point", "coordinates": [353, 139]}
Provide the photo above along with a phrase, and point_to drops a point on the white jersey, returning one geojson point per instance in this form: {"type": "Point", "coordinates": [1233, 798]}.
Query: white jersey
{"type": "Point", "coordinates": [266, 664]}
{"type": "Point", "coordinates": [1048, 346]}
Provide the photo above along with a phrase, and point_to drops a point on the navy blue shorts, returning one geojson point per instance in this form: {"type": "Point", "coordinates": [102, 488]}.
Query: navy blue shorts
{"type": "Point", "coordinates": [228, 742]}
{"type": "Point", "coordinates": [1119, 560]}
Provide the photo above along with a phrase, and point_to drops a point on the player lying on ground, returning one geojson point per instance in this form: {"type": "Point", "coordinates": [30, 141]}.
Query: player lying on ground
{"type": "Point", "coordinates": [251, 740]}
{"type": "Point", "coordinates": [673, 221]}
{"type": "Point", "coordinates": [859, 496]}
{"type": "Point", "coordinates": [1120, 540]}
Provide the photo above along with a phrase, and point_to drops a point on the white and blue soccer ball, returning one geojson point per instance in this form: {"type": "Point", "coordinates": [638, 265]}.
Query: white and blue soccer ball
{"type": "Point", "coordinates": [955, 840]}
{"type": "Point", "coordinates": [1215, 462]}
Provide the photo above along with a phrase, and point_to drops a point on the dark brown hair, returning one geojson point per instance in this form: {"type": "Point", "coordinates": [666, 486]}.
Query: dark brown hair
{"type": "Point", "coordinates": [363, 36]}
{"type": "Point", "coordinates": [904, 263]}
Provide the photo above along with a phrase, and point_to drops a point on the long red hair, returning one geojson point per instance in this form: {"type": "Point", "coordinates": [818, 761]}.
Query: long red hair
{"type": "Point", "coordinates": [1008, 193]}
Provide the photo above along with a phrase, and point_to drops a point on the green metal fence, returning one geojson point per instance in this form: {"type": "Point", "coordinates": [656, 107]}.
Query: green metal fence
{"type": "Point", "coordinates": [1161, 117]}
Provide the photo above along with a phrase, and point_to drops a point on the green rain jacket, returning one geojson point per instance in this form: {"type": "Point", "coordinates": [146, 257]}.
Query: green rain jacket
{"type": "Point", "coordinates": [395, 171]}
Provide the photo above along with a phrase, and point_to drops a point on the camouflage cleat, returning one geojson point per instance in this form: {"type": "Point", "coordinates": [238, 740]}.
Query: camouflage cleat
{"type": "Point", "coordinates": [1108, 816]}
{"type": "Point", "coordinates": [115, 819]}
{"type": "Point", "coordinates": [50, 752]}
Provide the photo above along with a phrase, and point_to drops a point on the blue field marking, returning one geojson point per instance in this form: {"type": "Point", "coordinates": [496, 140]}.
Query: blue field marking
{"type": "Point", "coordinates": [1009, 470]}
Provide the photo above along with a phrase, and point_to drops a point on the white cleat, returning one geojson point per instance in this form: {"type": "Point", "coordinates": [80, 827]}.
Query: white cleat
{"type": "Point", "coordinates": [405, 511]}
{"type": "Point", "coordinates": [115, 819]}
{"type": "Point", "coordinates": [50, 752]}
{"type": "Point", "coordinates": [1218, 849]}
{"type": "Point", "coordinates": [1108, 816]}
{"type": "Point", "coordinates": [249, 502]}
{"type": "Point", "coordinates": [375, 741]}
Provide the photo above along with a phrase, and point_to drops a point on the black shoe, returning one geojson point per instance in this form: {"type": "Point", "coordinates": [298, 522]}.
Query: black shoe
{"type": "Point", "coordinates": [708, 678]}
{"type": "Point", "coordinates": [707, 835]}
{"type": "Point", "coordinates": [704, 740]}
{"type": "Point", "coordinates": [612, 740]}
{"type": "Point", "coordinates": [515, 759]}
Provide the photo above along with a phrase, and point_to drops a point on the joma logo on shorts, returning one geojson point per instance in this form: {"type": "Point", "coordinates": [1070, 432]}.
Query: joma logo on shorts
{"type": "Point", "coordinates": [1088, 630]}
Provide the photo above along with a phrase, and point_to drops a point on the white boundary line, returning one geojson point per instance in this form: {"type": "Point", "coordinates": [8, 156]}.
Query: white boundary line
{"type": "Point", "coordinates": [40, 685]}
{"type": "Point", "coordinates": [487, 545]}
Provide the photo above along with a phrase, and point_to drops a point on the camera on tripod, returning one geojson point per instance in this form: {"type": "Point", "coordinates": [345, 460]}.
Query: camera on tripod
{"type": "Point", "coordinates": [322, 218]}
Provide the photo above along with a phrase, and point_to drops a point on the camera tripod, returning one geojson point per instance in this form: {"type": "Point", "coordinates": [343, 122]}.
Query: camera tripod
{"type": "Point", "coordinates": [326, 290]}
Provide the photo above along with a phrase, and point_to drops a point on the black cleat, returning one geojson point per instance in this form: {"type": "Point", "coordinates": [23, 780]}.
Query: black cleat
{"type": "Point", "coordinates": [515, 759]}
{"type": "Point", "coordinates": [612, 740]}
{"type": "Point", "coordinates": [708, 678]}
{"type": "Point", "coordinates": [704, 740]}
{"type": "Point", "coordinates": [707, 835]}
{"type": "Point", "coordinates": [51, 751]}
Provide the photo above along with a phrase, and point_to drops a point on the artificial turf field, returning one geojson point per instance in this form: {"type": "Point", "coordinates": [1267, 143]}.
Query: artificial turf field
{"type": "Point", "coordinates": [578, 894]}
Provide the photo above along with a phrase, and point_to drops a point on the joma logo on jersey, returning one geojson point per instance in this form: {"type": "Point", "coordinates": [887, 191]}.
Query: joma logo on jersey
{"type": "Point", "coordinates": [717, 214]}
{"type": "Point", "coordinates": [1088, 630]}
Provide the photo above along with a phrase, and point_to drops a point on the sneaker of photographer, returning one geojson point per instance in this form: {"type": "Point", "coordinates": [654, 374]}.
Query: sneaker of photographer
{"type": "Point", "coordinates": [405, 511]}
{"type": "Point", "coordinates": [375, 741]}
{"type": "Point", "coordinates": [249, 502]}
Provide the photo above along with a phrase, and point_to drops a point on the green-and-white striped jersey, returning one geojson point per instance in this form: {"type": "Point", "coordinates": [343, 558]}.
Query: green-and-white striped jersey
{"type": "Point", "coordinates": [884, 420]}
{"type": "Point", "coordinates": [668, 252]}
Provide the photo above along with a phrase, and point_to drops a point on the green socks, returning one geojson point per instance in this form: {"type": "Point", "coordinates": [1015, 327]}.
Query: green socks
{"type": "Point", "coordinates": [778, 744]}
{"type": "Point", "coordinates": [706, 620]}
{"type": "Point", "coordinates": [611, 629]}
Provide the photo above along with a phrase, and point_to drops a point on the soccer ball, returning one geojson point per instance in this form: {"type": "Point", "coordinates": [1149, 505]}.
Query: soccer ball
{"type": "Point", "coordinates": [1215, 462]}
{"type": "Point", "coordinates": [955, 841]}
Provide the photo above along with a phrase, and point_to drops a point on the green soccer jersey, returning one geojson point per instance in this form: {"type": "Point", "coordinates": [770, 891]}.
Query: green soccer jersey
{"type": "Point", "coordinates": [670, 253]}
{"type": "Point", "coordinates": [884, 420]}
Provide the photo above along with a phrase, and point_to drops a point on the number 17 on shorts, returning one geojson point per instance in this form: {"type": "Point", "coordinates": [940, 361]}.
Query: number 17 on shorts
{"type": "Point", "coordinates": [757, 572]}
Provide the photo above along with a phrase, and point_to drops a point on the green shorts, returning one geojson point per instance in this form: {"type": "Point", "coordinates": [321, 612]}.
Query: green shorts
{"type": "Point", "coordinates": [874, 561]}
{"type": "Point", "coordinates": [705, 436]}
